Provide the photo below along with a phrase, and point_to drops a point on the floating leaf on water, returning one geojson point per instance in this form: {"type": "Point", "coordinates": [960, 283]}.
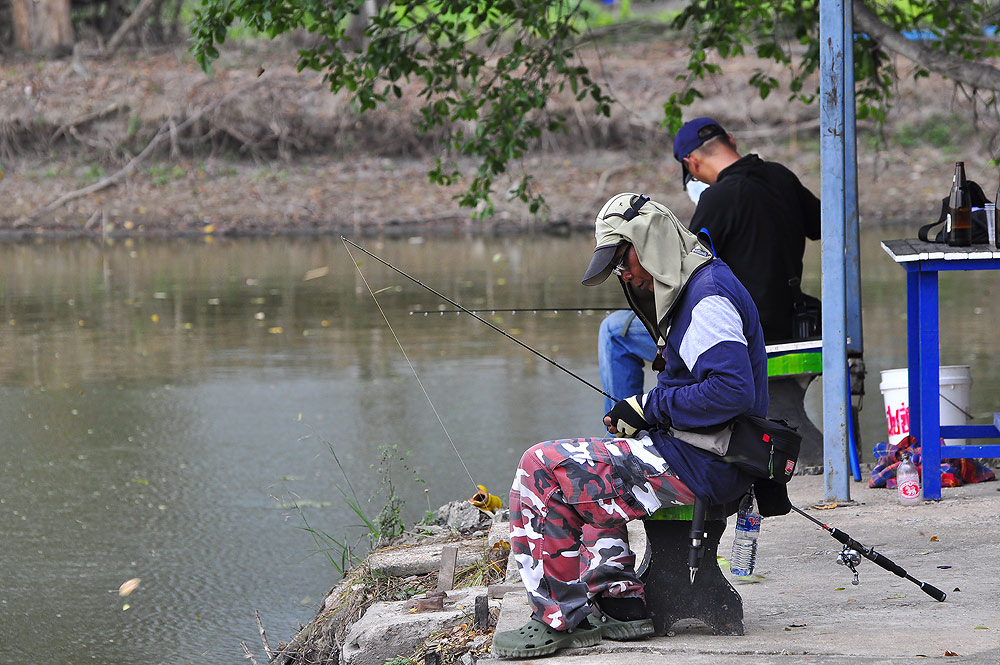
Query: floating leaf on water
{"type": "Point", "coordinates": [981, 628]}
{"type": "Point", "coordinates": [125, 607]}
{"type": "Point", "coordinates": [155, 318]}
{"type": "Point", "coordinates": [276, 330]}
{"type": "Point", "coordinates": [141, 481]}
{"type": "Point", "coordinates": [128, 587]}
{"type": "Point", "coordinates": [840, 588]}
{"type": "Point", "coordinates": [316, 273]}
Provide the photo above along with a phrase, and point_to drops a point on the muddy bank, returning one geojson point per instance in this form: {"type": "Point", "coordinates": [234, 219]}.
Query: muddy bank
{"type": "Point", "coordinates": [278, 153]}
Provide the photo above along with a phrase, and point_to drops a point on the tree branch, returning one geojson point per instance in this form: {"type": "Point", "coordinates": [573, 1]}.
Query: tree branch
{"type": "Point", "coordinates": [950, 66]}
{"type": "Point", "coordinates": [129, 24]}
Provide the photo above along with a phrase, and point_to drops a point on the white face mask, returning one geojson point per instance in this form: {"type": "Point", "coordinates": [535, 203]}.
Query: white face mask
{"type": "Point", "coordinates": [694, 189]}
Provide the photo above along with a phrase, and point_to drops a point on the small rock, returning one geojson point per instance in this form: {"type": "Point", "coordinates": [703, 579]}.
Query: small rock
{"type": "Point", "coordinates": [462, 516]}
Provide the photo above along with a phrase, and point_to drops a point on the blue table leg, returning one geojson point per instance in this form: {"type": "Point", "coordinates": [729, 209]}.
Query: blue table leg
{"type": "Point", "coordinates": [929, 384]}
{"type": "Point", "coordinates": [913, 348]}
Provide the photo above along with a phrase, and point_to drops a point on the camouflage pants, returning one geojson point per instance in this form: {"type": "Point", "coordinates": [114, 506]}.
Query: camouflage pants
{"type": "Point", "coordinates": [569, 506]}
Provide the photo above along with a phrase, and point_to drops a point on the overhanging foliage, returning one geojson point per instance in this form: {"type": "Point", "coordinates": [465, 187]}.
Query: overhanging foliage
{"type": "Point", "coordinates": [486, 71]}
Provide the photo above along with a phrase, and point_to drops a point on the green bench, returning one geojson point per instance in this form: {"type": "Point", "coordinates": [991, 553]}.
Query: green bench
{"type": "Point", "coordinates": [791, 368]}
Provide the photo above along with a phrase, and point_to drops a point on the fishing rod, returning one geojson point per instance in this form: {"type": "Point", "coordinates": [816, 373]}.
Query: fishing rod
{"type": "Point", "coordinates": [515, 310]}
{"type": "Point", "coordinates": [849, 557]}
{"type": "Point", "coordinates": [477, 317]}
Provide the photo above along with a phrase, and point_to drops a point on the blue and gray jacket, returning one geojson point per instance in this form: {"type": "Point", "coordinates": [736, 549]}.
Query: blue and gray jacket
{"type": "Point", "coordinates": [716, 369]}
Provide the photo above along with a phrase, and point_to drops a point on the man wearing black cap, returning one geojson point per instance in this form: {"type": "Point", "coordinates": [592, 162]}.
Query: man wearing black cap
{"type": "Point", "coordinates": [571, 499]}
{"type": "Point", "coordinates": [758, 215]}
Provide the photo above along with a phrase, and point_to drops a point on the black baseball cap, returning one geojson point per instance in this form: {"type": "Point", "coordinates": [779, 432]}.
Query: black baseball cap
{"type": "Point", "coordinates": [691, 136]}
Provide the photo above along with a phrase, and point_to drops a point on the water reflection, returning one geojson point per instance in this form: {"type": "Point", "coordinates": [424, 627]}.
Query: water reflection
{"type": "Point", "coordinates": [165, 403]}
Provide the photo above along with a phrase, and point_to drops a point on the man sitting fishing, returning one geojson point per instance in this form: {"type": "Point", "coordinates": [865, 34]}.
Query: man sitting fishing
{"type": "Point", "coordinates": [715, 368]}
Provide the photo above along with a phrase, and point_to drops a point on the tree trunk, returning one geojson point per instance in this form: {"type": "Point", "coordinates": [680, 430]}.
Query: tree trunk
{"type": "Point", "coordinates": [42, 25]}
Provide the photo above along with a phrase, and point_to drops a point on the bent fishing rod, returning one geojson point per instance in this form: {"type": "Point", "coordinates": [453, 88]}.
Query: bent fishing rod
{"type": "Point", "coordinates": [849, 557]}
{"type": "Point", "coordinates": [477, 317]}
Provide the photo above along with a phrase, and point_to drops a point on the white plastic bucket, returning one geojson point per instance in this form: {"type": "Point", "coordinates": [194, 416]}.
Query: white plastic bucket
{"type": "Point", "coordinates": [956, 385]}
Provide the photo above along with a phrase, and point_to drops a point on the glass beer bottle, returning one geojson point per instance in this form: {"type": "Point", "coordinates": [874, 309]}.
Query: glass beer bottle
{"type": "Point", "coordinates": [959, 210]}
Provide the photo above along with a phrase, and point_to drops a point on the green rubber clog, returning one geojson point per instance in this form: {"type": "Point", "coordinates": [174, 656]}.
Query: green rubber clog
{"type": "Point", "coordinates": [624, 631]}
{"type": "Point", "coordinates": [538, 639]}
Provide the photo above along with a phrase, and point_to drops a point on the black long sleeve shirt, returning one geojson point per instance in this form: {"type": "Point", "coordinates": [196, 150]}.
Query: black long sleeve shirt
{"type": "Point", "coordinates": [759, 215]}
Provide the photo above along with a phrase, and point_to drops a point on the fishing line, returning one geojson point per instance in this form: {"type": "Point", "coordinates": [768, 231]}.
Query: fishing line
{"type": "Point", "coordinates": [514, 310]}
{"type": "Point", "coordinates": [419, 383]}
{"type": "Point", "coordinates": [477, 317]}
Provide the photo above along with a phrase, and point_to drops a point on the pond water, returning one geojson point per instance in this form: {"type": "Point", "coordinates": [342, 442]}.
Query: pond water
{"type": "Point", "coordinates": [180, 411]}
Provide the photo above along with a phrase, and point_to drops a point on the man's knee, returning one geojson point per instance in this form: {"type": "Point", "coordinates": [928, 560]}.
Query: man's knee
{"type": "Point", "coordinates": [613, 325]}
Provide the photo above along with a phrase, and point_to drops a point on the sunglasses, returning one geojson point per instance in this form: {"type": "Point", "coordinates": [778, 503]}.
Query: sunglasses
{"type": "Point", "coordinates": [620, 268]}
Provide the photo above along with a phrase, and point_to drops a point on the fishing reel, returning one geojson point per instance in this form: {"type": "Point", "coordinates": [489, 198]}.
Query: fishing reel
{"type": "Point", "coordinates": [850, 558]}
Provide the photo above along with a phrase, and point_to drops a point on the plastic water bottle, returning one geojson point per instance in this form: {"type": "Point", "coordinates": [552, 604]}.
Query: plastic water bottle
{"type": "Point", "coordinates": [745, 544]}
{"type": "Point", "coordinates": [908, 482]}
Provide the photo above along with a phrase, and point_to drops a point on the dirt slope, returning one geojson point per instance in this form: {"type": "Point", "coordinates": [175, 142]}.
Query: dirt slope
{"type": "Point", "coordinates": [280, 153]}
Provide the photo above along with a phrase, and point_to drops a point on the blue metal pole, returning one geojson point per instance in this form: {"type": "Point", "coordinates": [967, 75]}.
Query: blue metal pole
{"type": "Point", "coordinates": [855, 338]}
{"type": "Point", "coordinates": [832, 160]}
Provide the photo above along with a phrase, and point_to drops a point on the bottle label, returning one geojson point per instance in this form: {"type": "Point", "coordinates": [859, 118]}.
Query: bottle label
{"type": "Point", "coordinates": [748, 522]}
{"type": "Point", "coordinates": [909, 489]}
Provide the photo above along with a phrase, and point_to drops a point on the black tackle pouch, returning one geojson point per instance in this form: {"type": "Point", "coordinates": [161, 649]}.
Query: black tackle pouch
{"type": "Point", "coordinates": [764, 448]}
{"type": "Point", "coordinates": [980, 234]}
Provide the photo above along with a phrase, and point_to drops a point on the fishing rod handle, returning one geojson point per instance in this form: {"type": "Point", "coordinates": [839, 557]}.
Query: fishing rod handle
{"type": "Point", "coordinates": [932, 591]}
{"type": "Point", "coordinates": [886, 563]}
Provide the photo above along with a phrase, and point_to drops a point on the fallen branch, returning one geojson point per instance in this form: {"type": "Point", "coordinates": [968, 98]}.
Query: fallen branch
{"type": "Point", "coordinates": [247, 654]}
{"type": "Point", "coordinates": [162, 134]}
{"type": "Point", "coordinates": [263, 637]}
{"type": "Point", "coordinates": [89, 117]}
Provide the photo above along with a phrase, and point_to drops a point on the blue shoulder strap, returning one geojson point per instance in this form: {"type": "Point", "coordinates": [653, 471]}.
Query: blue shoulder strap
{"type": "Point", "coordinates": [708, 236]}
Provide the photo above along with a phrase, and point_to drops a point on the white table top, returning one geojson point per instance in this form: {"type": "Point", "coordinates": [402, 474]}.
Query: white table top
{"type": "Point", "coordinates": [913, 249]}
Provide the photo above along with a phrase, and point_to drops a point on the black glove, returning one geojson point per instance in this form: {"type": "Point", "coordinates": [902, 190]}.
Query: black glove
{"type": "Point", "coordinates": [627, 418]}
